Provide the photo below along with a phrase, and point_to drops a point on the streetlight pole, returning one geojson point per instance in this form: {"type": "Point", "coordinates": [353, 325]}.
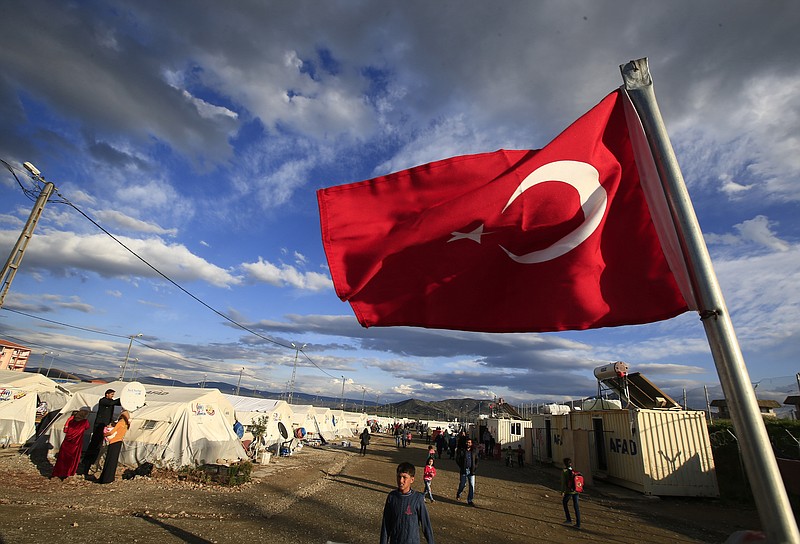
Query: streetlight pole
{"type": "Point", "coordinates": [125, 364]}
{"type": "Point", "coordinates": [363, 398]}
{"type": "Point", "coordinates": [342, 392]}
{"type": "Point", "coordinates": [52, 358]}
{"type": "Point", "coordinates": [42, 364]}
{"type": "Point", "coordinates": [294, 370]}
{"type": "Point", "coordinates": [239, 383]}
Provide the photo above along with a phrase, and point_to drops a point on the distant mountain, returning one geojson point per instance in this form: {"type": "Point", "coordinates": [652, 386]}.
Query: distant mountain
{"type": "Point", "coordinates": [56, 374]}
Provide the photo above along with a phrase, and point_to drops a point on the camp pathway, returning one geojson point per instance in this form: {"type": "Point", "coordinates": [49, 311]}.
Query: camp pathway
{"type": "Point", "coordinates": [331, 494]}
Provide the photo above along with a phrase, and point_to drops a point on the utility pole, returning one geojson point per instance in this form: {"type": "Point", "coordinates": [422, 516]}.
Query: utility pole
{"type": "Point", "coordinates": [342, 403]}
{"type": "Point", "coordinates": [363, 398]}
{"type": "Point", "coordinates": [294, 370]}
{"type": "Point", "coordinates": [125, 364]}
{"type": "Point", "coordinates": [15, 258]}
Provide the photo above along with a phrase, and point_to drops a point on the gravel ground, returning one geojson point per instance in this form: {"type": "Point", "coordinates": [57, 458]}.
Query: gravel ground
{"type": "Point", "coordinates": [331, 494]}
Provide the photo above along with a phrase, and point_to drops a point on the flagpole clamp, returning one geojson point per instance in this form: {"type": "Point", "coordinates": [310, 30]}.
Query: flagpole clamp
{"type": "Point", "coordinates": [706, 314]}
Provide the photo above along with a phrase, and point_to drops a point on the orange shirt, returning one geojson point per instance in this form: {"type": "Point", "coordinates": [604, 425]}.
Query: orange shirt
{"type": "Point", "coordinates": [117, 432]}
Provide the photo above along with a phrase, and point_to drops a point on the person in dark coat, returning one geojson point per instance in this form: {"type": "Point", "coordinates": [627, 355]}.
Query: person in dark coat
{"type": "Point", "coordinates": [467, 461]}
{"type": "Point", "coordinates": [105, 413]}
{"type": "Point", "coordinates": [364, 441]}
{"type": "Point", "coordinates": [441, 444]}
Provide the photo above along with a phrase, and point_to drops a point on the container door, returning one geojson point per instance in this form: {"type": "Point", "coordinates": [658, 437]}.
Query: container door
{"type": "Point", "coordinates": [599, 443]}
{"type": "Point", "coordinates": [548, 438]}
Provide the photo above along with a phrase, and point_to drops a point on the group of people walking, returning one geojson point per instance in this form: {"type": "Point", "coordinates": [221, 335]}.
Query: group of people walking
{"type": "Point", "coordinates": [466, 456]}
{"type": "Point", "coordinates": [69, 461]}
{"type": "Point", "coordinates": [405, 513]}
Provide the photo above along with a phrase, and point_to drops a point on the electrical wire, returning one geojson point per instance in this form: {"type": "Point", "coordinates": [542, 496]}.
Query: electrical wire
{"type": "Point", "coordinates": [95, 331]}
{"type": "Point", "coordinates": [28, 192]}
{"type": "Point", "coordinates": [170, 280]}
{"type": "Point", "coordinates": [65, 200]}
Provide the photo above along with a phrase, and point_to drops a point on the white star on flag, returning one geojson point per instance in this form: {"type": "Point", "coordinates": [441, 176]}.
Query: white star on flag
{"type": "Point", "coordinates": [474, 235]}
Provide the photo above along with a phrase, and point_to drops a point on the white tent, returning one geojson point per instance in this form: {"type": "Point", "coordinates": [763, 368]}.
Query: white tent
{"type": "Point", "coordinates": [177, 426]}
{"type": "Point", "coordinates": [355, 422]}
{"type": "Point", "coordinates": [324, 422]}
{"type": "Point", "coordinates": [249, 409]}
{"type": "Point", "coordinates": [18, 402]}
{"type": "Point", "coordinates": [303, 416]}
{"type": "Point", "coordinates": [340, 423]}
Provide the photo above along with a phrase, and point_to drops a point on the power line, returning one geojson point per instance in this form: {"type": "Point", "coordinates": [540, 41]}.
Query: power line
{"type": "Point", "coordinates": [139, 342]}
{"type": "Point", "coordinates": [96, 331]}
{"type": "Point", "coordinates": [170, 280]}
{"type": "Point", "coordinates": [64, 200]}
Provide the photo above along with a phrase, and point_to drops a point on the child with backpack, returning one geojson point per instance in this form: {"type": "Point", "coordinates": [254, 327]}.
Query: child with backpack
{"type": "Point", "coordinates": [427, 476]}
{"type": "Point", "coordinates": [571, 487]}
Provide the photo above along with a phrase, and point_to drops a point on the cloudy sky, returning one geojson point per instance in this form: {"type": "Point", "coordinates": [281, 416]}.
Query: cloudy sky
{"type": "Point", "coordinates": [196, 135]}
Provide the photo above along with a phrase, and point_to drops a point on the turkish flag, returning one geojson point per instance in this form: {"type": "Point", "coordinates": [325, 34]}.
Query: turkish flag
{"type": "Point", "coordinates": [511, 241]}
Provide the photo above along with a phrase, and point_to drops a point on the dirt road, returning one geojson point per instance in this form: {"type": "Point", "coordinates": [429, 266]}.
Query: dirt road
{"type": "Point", "coordinates": [333, 494]}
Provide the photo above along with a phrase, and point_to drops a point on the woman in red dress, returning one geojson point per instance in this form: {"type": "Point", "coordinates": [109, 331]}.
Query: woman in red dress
{"type": "Point", "coordinates": [70, 453]}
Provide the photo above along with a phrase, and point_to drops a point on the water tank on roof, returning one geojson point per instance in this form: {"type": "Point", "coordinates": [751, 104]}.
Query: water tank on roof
{"type": "Point", "coordinates": [615, 370]}
{"type": "Point", "coordinates": [556, 409]}
{"type": "Point", "coordinates": [602, 404]}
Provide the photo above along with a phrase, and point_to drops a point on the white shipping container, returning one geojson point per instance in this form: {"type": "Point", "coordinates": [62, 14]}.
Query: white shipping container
{"type": "Point", "coordinates": [655, 452]}
{"type": "Point", "coordinates": [507, 431]}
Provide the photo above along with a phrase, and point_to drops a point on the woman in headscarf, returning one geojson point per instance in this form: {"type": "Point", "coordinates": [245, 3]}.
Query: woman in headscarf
{"type": "Point", "coordinates": [114, 436]}
{"type": "Point", "coordinates": [69, 455]}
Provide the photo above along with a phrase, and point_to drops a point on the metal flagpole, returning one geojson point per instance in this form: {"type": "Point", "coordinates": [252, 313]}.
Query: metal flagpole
{"type": "Point", "coordinates": [769, 492]}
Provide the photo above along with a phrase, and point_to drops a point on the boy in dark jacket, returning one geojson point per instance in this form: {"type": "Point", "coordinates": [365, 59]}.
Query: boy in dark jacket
{"type": "Point", "coordinates": [405, 512]}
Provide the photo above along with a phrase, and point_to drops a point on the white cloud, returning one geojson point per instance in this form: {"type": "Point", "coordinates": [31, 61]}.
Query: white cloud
{"type": "Point", "coordinates": [60, 252]}
{"type": "Point", "coordinates": [432, 386]}
{"type": "Point", "coordinates": [207, 110]}
{"type": "Point", "coordinates": [403, 390]}
{"type": "Point", "coordinates": [126, 222]}
{"type": "Point", "coordinates": [758, 230]}
{"type": "Point", "coordinates": [668, 368]}
{"type": "Point", "coordinates": [286, 275]}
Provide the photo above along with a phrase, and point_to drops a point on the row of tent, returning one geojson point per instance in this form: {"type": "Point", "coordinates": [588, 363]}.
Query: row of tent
{"type": "Point", "coordinates": [176, 426]}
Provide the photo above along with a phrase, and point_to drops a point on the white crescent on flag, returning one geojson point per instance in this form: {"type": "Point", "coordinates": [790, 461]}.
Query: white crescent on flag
{"type": "Point", "coordinates": [593, 198]}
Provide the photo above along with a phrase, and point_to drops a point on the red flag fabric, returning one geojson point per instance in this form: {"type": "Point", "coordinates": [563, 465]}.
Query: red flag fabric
{"type": "Point", "coordinates": [511, 241]}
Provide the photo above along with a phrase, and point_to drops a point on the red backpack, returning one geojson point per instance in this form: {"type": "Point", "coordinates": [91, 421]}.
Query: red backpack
{"type": "Point", "coordinates": [576, 481]}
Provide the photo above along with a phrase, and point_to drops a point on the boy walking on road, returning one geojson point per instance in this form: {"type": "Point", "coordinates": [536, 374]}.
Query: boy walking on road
{"type": "Point", "coordinates": [568, 492]}
{"type": "Point", "coordinates": [405, 512]}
